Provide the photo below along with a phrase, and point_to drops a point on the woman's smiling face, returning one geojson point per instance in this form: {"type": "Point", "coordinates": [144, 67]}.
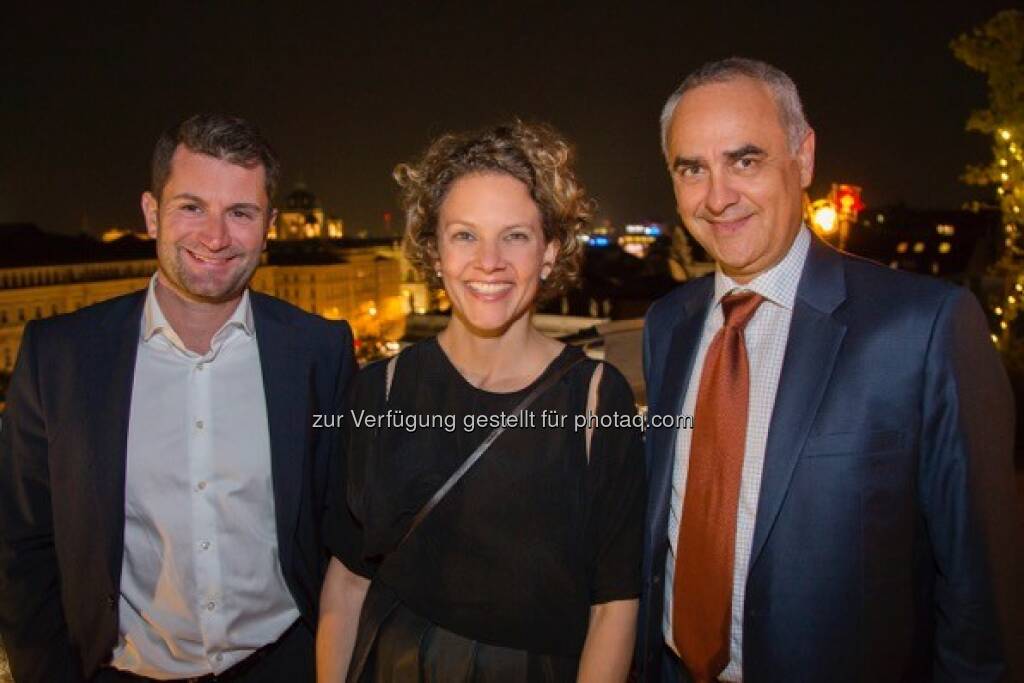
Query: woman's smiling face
{"type": "Point", "coordinates": [491, 250]}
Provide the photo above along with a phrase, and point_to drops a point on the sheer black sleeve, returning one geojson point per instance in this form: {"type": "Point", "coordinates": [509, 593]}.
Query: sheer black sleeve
{"type": "Point", "coordinates": [617, 495]}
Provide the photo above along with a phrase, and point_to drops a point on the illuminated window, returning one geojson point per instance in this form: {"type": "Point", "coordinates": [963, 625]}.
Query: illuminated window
{"type": "Point", "coordinates": [918, 247]}
{"type": "Point", "coordinates": [901, 248]}
{"type": "Point", "coordinates": [945, 247]}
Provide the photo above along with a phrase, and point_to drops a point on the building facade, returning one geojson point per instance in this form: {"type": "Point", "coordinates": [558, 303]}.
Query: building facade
{"type": "Point", "coordinates": [301, 216]}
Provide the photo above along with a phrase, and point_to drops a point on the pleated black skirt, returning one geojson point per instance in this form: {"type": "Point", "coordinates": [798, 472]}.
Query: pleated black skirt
{"type": "Point", "coordinates": [395, 645]}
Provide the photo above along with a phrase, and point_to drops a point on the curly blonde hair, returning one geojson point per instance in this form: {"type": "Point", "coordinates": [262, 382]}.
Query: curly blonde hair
{"type": "Point", "coordinates": [534, 154]}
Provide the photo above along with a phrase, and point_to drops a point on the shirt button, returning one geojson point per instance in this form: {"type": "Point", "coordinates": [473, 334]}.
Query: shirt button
{"type": "Point", "coordinates": [199, 424]}
{"type": "Point", "coordinates": [200, 367]}
{"type": "Point", "coordinates": [219, 657]}
{"type": "Point", "coordinates": [201, 485]}
{"type": "Point", "coordinates": [205, 545]}
{"type": "Point", "coordinates": [210, 605]}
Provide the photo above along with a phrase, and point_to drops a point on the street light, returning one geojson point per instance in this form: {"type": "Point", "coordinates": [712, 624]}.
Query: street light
{"type": "Point", "coordinates": [824, 216]}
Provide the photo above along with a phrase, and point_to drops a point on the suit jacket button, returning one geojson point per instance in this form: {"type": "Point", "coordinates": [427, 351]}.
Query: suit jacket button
{"type": "Point", "coordinates": [112, 602]}
{"type": "Point", "coordinates": [656, 580]}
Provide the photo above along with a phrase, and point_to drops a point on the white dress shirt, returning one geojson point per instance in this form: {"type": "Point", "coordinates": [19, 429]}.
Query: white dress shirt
{"type": "Point", "coordinates": [201, 584]}
{"type": "Point", "coordinates": [765, 335]}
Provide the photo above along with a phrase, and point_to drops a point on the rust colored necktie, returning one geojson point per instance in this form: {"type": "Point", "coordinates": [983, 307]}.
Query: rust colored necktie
{"type": "Point", "coordinates": [702, 589]}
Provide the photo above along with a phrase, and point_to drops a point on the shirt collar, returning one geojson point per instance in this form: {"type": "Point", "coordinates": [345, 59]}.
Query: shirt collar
{"type": "Point", "coordinates": [779, 283]}
{"type": "Point", "coordinates": [154, 321]}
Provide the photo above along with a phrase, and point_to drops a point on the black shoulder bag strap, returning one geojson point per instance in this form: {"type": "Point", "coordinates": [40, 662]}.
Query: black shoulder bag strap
{"type": "Point", "coordinates": [475, 456]}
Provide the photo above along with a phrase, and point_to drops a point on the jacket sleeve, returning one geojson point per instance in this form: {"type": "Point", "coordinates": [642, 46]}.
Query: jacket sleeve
{"type": "Point", "coordinates": [342, 380]}
{"type": "Point", "coordinates": [31, 615]}
{"type": "Point", "coordinates": [967, 488]}
{"type": "Point", "coordinates": [342, 531]}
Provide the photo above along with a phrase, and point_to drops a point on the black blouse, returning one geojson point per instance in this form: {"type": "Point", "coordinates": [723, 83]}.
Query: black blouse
{"type": "Point", "coordinates": [532, 535]}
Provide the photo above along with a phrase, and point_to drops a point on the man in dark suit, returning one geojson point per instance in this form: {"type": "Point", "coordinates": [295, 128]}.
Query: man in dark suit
{"type": "Point", "coordinates": [161, 486]}
{"type": "Point", "coordinates": [843, 508]}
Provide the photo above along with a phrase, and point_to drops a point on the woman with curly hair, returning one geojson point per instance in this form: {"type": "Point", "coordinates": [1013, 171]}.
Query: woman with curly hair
{"type": "Point", "coordinates": [482, 532]}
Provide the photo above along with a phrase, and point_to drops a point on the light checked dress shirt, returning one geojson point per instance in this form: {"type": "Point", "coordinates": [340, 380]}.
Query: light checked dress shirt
{"type": "Point", "coordinates": [766, 335]}
{"type": "Point", "coordinates": [201, 583]}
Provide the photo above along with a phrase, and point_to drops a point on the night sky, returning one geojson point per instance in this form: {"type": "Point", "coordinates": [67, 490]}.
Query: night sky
{"type": "Point", "coordinates": [346, 91]}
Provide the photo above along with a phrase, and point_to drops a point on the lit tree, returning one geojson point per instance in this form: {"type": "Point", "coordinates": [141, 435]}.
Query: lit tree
{"type": "Point", "coordinates": [996, 49]}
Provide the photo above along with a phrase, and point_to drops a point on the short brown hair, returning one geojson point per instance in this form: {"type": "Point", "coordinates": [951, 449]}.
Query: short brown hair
{"type": "Point", "coordinates": [534, 154]}
{"type": "Point", "coordinates": [224, 137]}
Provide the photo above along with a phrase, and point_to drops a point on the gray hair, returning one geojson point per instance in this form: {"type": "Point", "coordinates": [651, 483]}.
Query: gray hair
{"type": "Point", "coordinates": [787, 99]}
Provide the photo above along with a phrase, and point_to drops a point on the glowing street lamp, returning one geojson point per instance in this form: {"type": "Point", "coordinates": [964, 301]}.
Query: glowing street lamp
{"type": "Point", "coordinates": [824, 216]}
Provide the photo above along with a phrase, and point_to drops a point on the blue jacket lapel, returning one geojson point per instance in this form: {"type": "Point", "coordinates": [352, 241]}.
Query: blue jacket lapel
{"type": "Point", "coordinates": [675, 371]}
{"type": "Point", "coordinates": [286, 385]}
{"type": "Point", "coordinates": [814, 340]}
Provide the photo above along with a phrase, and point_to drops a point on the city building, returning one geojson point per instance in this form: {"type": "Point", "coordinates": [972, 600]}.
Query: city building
{"type": "Point", "coordinates": [958, 245]}
{"type": "Point", "coordinates": [638, 239]}
{"type": "Point", "coordinates": [301, 216]}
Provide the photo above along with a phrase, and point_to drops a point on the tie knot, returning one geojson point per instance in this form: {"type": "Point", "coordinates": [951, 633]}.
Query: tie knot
{"type": "Point", "coordinates": [740, 308]}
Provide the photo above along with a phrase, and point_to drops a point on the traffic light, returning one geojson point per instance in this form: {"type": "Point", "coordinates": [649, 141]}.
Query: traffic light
{"type": "Point", "coordinates": [847, 200]}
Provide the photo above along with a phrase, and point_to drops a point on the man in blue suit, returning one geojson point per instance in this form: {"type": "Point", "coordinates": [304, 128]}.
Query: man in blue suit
{"type": "Point", "coordinates": [843, 508]}
{"type": "Point", "coordinates": [161, 487]}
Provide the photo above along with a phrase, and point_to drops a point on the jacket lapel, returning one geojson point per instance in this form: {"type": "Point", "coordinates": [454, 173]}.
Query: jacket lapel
{"type": "Point", "coordinates": [109, 369]}
{"type": "Point", "coordinates": [286, 386]}
{"type": "Point", "coordinates": [814, 340]}
{"type": "Point", "coordinates": [678, 364]}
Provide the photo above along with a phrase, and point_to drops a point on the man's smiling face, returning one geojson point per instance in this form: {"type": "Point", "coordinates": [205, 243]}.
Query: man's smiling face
{"type": "Point", "coordinates": [738, 185]}
{"type": "Point", "coordinates": [210, 224]}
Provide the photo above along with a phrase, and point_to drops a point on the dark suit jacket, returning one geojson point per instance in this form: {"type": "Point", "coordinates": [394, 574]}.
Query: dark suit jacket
{"type": "Point", "coordinates": [887, 532]}
{"type": "Point", "coordinates": [62, 472]}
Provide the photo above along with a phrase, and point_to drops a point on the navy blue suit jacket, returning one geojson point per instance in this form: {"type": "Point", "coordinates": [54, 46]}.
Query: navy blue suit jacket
{"type": "Point", "coordinates": [886, 544]}
{"type": "Point", "coordinates": [62, 472]}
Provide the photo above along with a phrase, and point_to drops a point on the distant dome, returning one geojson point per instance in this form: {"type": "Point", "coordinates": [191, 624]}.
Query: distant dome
{"type": "Point", "coordinates": [301, 199]}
